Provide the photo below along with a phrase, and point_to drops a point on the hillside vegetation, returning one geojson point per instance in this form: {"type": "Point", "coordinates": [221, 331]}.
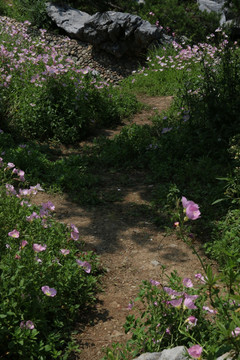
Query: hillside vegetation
{"type": "Point", "coordinates": [192, 151]}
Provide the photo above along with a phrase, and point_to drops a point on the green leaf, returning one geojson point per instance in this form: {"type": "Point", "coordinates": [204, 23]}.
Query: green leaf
{"type": "Point", "coordinates": [218, 201]}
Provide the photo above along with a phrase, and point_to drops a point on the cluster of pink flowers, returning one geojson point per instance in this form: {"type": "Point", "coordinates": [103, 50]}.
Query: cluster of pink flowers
{"type": "Point", "coordinates": [186, 56]}
{"type": "Point", "coordinates": [48, 61]}
{"type": "Point", "coordinates": [27, 325]}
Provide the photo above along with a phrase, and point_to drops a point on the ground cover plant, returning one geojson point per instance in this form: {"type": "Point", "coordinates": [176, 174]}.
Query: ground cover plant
{"type": "Point", "coordinates": [45, 97]}
{"type": "Point", "coordinates": [47, 279]}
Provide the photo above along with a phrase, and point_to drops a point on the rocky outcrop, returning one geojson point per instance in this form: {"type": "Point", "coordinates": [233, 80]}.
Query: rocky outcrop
{"type": "Point", "coordinates": [217, 6]}
{"type": "Point", "coordinates": [115, 32]}
{"type": "Point", "coordinates": [213, 6]}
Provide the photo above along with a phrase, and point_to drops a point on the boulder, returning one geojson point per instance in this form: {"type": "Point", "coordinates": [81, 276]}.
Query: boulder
{"type": "Point", "coordinates": [217, 6]}
{"type": "Point", "coordinates": [69, 19]}
{"type": "Point", "coordinates": [115, 32]}
{"type": "Point", "coordinates": [176, 353]}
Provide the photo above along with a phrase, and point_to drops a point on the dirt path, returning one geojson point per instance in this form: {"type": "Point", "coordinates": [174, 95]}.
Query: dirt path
{"type": "Point", "coordinates": [130, 246]}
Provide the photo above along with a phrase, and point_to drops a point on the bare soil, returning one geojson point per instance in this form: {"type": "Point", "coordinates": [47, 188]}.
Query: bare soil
{"type": "Point", "coordinates": [130, 246]}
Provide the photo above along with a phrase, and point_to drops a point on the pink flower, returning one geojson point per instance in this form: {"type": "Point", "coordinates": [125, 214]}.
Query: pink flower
{"type": "Point", "coordinates": [192, 321]}
{"type": "Point", "coordinates": [38, 247]}
{"type": "Point", "coordinates": [23, 244]}
{"type": "Point", "coordinates": [210, 311]}
{"type": "Point", "coordinates": [195, 351]}
{"type": "Point", "coordinates": [189, 304]}
{"type": "Point", "coordinates": [38, 260]}
{"type": "Point", "coordinates": [168, 331]}
{"type": "Point", "coordinates": [28, 325]}
{"type": "Point", "coordinates": [34, 215]}
{"type": "Point", "coordinates": [187, 282]}
{"type": "Point", "coordinates": [130, 305]}
{"type": "Point", "coordinates": [49, 291]}
{"type": "Point", "coordinates": [10, 166]}
{"type": "Point", "coordinates": [65, 251]}
{"type": "Point", "coordinates": [14, 233]}
{"type": "Point", "coordinates": [11, 189]}
{"type": "Point", "coordinates": [74, 228]}
{"type": "Point", "coordinates": [86, 266]}
{"type": "Point", "coordinates": [75, 235]}
{"type": "Point", "coordinates": [154, 282]}
{"type": "Point", "coordinates": [176, 302]}
{"type": "Point", "coordinates": [37, 187]}
{"type": "Point", "coordinates": [48, 205]}
{"type": "Point", "coordinates": [192, 212]}
{"type": "Point", "coordinates": [172, 292]}
{"type": "Point", "coordinates": [25, 192]}
{"type": "Point", "coordinates": [201, 278]}
{"type": "Point", "coordinates": [192, 209]}
{"type": "Point", "coordinates": [236, 332]}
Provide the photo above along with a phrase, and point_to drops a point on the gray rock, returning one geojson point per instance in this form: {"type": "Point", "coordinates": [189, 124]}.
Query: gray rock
{"type": "Point", "coordinates": [217, 6]}
{"type": "Point", "coordinates": [119, 33]}
{"type": "Point", "coordinates": [115, 32]}
{"type": "Point", "coordinates": [148, 356]}
{"type": "Point", "coordinates": [226, 356]}
{"type": "Point", "coordinates": [211, 5]}
{"type": "Point", "coordinates": [177, 353]}
{"type": "Point", "coordinates": [69, 19]}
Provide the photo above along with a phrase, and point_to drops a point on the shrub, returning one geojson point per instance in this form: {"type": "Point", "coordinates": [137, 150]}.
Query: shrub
{"type": "Point", "coordinates": [213, 98]}
{"type": "Point", "coordinates": [47, 279]}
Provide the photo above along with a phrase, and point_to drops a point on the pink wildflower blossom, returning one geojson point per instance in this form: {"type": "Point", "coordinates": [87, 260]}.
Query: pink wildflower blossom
{"type": "Point", "coordinates": [49, 291]}
{"type": "Point", "coordinates": [23, 244]}
{"type": "Point", "coordinates": [86, 266]}
{"type": "Point", "coordinates": [187, 282]}
{"type": "Point", "coordinates": [236, 331]}
{"type": "Point", "coordinates": [201, 278]}
{"type": "Point", "coordinates": [14, 233]}
{"type": "Point", "coordinates": [192, 321]}
{"type": "Point", "coordinates": [38, 247]}
{"type": "Point", "coordinates": [210, 311]}
{"type": "Point", "coordinates": [74, 235]}
{"type": "Point", "coordinates": [154, 282]}
{"type": "Point", "coordinates": [65, 251]}
{"type": "Point", "coordinates": [192, 209]}
{"type": "Point", "coordinates": [195, 351]}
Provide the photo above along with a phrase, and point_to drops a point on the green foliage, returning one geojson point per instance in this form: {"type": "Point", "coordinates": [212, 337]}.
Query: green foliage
{"type": "Point", "coordinates": [60, 111]}
{"type": "Point", "coordinates": [233, 7]}
{"type": "Point", "coordinates": [183, 18]}
{"type": "Point", "coordinates": [33, 11]}
{"type": "Point", "coordinates": [213, 99]}
{"type": "Point", "coordinates": [226, 239]}
{"type": "Point", "coordinates": [25, 270]}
